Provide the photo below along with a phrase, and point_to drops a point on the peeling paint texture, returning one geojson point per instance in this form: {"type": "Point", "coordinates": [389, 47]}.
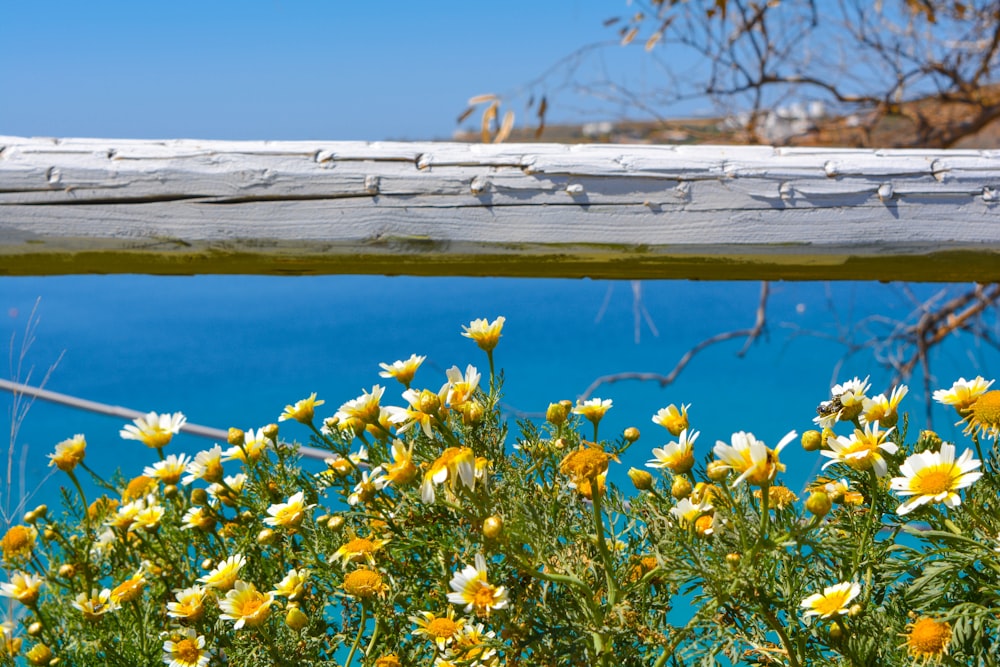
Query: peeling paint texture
{"type": "Point", "coordinates": [547, 210]}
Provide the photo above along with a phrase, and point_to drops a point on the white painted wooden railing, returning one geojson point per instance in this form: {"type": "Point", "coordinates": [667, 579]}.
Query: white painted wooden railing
{"type": "Point", "coordinates": [624, 211]}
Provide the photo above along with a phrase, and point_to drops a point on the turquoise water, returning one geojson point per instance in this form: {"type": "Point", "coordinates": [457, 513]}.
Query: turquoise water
{"type": "Point", "coordinates": [233, 350]}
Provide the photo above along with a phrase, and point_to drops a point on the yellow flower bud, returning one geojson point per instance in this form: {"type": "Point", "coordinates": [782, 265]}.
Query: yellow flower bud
{"type": "Point", "coordinates": [631, 434]}
{"type": "Point", "coordinates": [812, 441]}
{"type": "Point", "coordinates": [199, 497]}
{"type": "Point", "coordinates": [492, 527]}
{"type": "Point", "coordinates": [40, 654]}
{"type": "Point", "coordinates": [855, 610]}
{"type": "Point", "coordinates": [296, 619]}
{"type": "Point", "coordinates": [819, 503]}
{"type": "Point", "coordinates": [271, 432]}
{"type": "Point", "coordinates": [266, 536]}
{"type": "Point", "coordinates": [236, 436]}
{"type": "Point", "coordinates": [67, 570]}
{"type": "Point", "coordinates": [733, 560]}
{"type": "Point", "coordinates": [641, 479]}
{"type": "Point", "coordinates": [556, 414]}
{"type": "Point", "coordinates": [335, 523]}
{"type": "Point", "coordinates": [35, 629]}
{"type": "Point", "coordinates": [717, 471]}
{"type": "Point", "coordinates": [681, 488]}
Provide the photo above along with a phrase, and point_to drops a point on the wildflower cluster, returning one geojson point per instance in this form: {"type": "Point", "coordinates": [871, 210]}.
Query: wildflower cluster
{"type": "Point", "coordinates": [429, 537]}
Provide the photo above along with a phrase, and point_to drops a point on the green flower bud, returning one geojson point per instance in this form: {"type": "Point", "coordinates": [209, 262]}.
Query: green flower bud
{"type": "Point", "coordinates": [641, 479]}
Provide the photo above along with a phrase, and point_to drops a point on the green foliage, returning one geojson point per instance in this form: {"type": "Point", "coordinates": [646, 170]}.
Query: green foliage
{"type": "Point", "coordinates": [431, 539]}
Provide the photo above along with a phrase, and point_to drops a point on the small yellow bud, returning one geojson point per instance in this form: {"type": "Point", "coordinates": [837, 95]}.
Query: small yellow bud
{"type": "Point", "coordinates": [836, 632]}
{"type": "Point", "coordinates": [67, 570]}
{"type": "Point", "coordinates": [35, 629]}
{"type": "Point", "coordinates": [681, 488]}
{"type": "Point", "coordinates": [266, 536]}
{"type": "Point", "coordinates": [556, 414]}
{"type": "Point", "coordinates": [855, 611]}
{"type": "Point", "coordinates": [40, 654]}
{"type": "Point", "coordinates": [428, 402]}
{"type": "Point", "coordinates": [335, 523]}
{"type": "Point", "coordinates": [733, 560]}
{"type": "Point", "coordinates": [641, 479]}
{"type": "Point", "coordinates": [559, 443]}
{"type": "Point", "coordinates": [631, 434]}
{"type": "Point", "coordinates": [206, 564]}
{"type": "Point", "coordinates": [236, 436]}
{"type": "Point", "coordinates": [812, 441]}
{"type": "Point", "coordinates": [199, 497]}
{"type": "Point", "coordinates": [30, 517]}
{"type": "Point", "coordinates": [717, 471]}
{"type": "Point", "coordinates": [472, 413]}
{"type": "Point", "coordinates": [247, 515]}
{"type": "Point", "coordinates": [819, 503]}
{"type": "Point", "coordinates": [170, 491]}
{"type": "Point", "coordinates": [271, 432]}
{"type": "Point", "coordinates": [41, 511]}
{"type": "Point", "coordinates": [296, 619]}
{"type": "Point", "coordinates": [492, 527]}
{"type": "Point", "coordinates": [49, 534]}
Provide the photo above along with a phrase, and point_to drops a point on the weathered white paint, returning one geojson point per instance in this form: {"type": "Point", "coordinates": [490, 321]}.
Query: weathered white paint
{"type": "Point", "coordinates": [186, 206]}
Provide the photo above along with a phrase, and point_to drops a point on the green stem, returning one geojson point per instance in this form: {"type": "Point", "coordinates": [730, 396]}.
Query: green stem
{"type": "Point", "coordinates": [782, 635]}
{"type": "Point", "coordinates": [602, 545]}
{"type": "Point", "coordinates": [375, 633]}
{"type": "Point", "coordinates": [357, 640]}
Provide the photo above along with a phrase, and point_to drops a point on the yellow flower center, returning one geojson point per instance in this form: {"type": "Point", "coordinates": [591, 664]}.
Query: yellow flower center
{"type": "Point", "coordinates": [585, 463]}
{"type": "Point", "coordinates": [17, 541]}
{"type": "Point", "coordinates": [363, 583]}
{"type": "Point", "coordinates": [137, 488]}
{"type": "Point", "coordinates": [251, 605]}
{"type": "Point", "coordinates": [187, 650]}
{"type": "Point", "coordinates": [986, 410]}
{"type": "Point", "coordinates": [483, 599]}
{"type": "Point", "coordinates": [442, 628]}
{"type": "Point", "coordinates": [934, 481]}
{"type": "Point", "coordinates": [359, 545]}
{"type": "Point", "coordinates": [928, 637]}
{"type": "Point", "coordinates": [831, 604]}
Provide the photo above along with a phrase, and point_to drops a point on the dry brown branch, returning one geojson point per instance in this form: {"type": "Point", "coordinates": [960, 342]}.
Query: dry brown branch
{"type": "Point", "coordinates": [750, 334]}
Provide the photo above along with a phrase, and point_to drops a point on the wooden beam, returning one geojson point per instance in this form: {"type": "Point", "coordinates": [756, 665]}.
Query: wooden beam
{"type": "Point", "coordinates": [547, 210]}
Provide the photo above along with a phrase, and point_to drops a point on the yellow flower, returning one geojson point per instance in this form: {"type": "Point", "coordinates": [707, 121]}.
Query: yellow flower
{"type": "Point", "coordinates": [138, 487]}
{"type": "Point", "coordinates": [934, 477]}
{"type": "Point", "coordinates": [927, 638]}
{"type": "Point", "coordinates": [169, 470]}
{"type": "Point", "coordinates": [254, 444]}
{"type": "Point", "coordinates": [402, 469]}
{"type": "Point", "coordinates": [289, 514]}
{"type": "Point", "coordinates": [687, 512]}
{"type": "Point", "coordinates": [364, 583]}
{"type": "Point", "coordinates": [369, 486]}
{"type": "Point", "coordinates": [587, 461]}
{"type": "Point", "coordinates": [678, 457]}
{"type": "Point", "coordinates": [94, 606]}
{"type": "Point", "coordinates": [364, 408]}
{"type": "Point", "coordinates": [751, 458]}
{"type": "Point", "coordinates": [18, 543]}
{"type": "Point", "coordinates": [402, 371]}
{"type": "Point", "coordinates": [292, 586]}
{"type": "Point", "coordinates": [592, 410]}
{"type": "Point", "coordinates": [461, 388]}
{"type": "Point", "coordinates": [470, 587]}
{"type": "Point", "coordinates": [862, 450]}
{"type": "Point", "coordinates": [963, 393]}
{"type": "Point", "coordinates": [983, 417]}
{"type": "Point", "coordinates": [149, 517]}
{"type": "Point", "coordinates": [833, 601]}
{"type": "Point", "coordinates": [778, 497]}
{"type": "Point", "coordinates": [154, 430]}
{"type": "Point", "coordinates": [389, 660]}
{"type": "Point", "coordinates": [846, 403]}
{"type": "Point", "coordinates": [303, 411]}
{"type": "Point", "coordinates": [189, 605]}
{"type": "Point", "coordinates": [207, 465]}
{"type": "Point", "coordinates": [442, 630]}
{"type": "Point", "coordinates": [454, 464]}
{"type": "Point", "coordinates": [23, 587]}
{"type": "Point", "coordinates": [357, 550]}
{"type": "Point", "coordinates": [69, 453]}
{"type": "Point", "coordinates": [245, 605]}
{"type": "Point", "coordinates": [425, 406]}
{"type": "Point", "coordinates": [224, 575]}
{"type": "Point", "coordinates": [673, 419]}
{"type": "Point", "coordinates": [186, 649]}
{"type": "Point", "coordinates": [585, 488]}
{"type": "Point", "coordinates": [486, 334]}
{"type": "Point", "coordinates": [199, 518]}
{"type": "Point", "coordinates": [881, 409]}
{"type": "Point", "coordinates": [130, 589]}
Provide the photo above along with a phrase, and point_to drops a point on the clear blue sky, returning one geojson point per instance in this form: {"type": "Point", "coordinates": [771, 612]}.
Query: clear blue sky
{"type": "Point", "coordinates": [280, 69]}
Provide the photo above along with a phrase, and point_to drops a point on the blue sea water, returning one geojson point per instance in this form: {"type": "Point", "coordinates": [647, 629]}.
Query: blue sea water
{"type": "Point", "coordinates": [234, 350]}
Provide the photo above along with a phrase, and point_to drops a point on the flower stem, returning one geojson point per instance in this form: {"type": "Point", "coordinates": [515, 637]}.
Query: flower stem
{"type": "Point", "coordinates": [602, 545]}
{"type": "Point", "coordinates": [357, 640]}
